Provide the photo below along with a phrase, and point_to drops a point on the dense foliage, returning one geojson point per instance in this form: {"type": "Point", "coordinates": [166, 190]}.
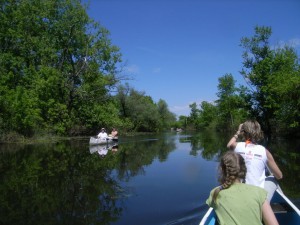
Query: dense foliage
{"type": "Point", "coordinates": [272, 94]}
{"type": "Point", "coordinates": [60, 74]}
{"type": "Point", "coordinates": [140, 112]}
{"type": "Point", "coordinates": [58, 69]}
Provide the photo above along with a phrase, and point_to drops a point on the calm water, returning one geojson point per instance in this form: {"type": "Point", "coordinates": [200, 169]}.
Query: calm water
{"type": "Point", "coordinates": [159, 179]}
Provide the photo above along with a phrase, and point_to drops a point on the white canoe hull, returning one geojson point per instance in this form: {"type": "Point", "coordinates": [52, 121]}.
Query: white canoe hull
{"type": "Point", "coordinates": [98, 141]}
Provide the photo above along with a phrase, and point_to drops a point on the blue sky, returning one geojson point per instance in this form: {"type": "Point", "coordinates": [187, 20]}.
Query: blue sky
{"type": "Point", "coordinates": [177, 49]}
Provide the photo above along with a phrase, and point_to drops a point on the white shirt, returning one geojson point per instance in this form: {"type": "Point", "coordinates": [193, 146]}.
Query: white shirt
{"type": "Point", "coordinates": [102, 135]}
{"type": "Point", "coordinates": [255, 157]}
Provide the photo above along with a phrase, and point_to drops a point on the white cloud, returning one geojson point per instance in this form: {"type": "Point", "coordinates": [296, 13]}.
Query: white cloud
{"type": "Point", "coordinates": [294, 42]}
{"type": "Point", "coordinates": [133, 69]}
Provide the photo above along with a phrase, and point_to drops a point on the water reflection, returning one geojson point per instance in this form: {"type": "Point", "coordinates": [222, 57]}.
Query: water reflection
{"type": "Point", "coordinates": [134, 156]}
{"type": "Point", "coordinates": [70, 182]}
{"type": "Point", "coordinates": [207, 144]}
{"type": "Point", "coordinates": [287, 155]}
{"type": "Point", "coordinates": [102, 150]}
{"type": "Point", "coordinates": [60, 184]}
{"type": "Point", "coordinates": [63, 183]}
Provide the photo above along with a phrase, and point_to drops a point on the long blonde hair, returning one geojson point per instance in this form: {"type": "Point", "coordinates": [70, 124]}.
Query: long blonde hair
{"type": "Point", "coordinates": [232, 166]}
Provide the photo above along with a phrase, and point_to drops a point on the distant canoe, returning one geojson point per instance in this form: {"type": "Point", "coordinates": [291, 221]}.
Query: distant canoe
{"type": "Point", "coordinates": [99, 141]}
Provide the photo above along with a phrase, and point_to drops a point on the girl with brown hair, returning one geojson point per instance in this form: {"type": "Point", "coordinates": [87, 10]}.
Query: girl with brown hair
{"type": "Point", "coordinates": [235, 202]}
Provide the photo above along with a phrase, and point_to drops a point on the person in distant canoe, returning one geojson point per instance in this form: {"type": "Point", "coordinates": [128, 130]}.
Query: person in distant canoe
{"type": "Point", "coordinates": [114, 133]}
{"type": "Point", "coordinates": [102, 135]}
{"type": "Point", "coordinates": [256, 157]}
{"type": "Point", "coordinates": [235, 202]}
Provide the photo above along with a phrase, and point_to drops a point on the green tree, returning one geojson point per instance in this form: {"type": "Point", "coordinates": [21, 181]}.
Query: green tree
{"type": "Point", "coordinates": [167, 118]}
{"type": "Point", "coordinates": [182, 122]}
{"type": "Point", "coordinates": [230, 104]}
{"type": "Point", "coordinates": [57, 68]}
{"type": "Point", "coordinates": [140, 113]}
{"type": "Point", "coordinates": [122, 96]}
{"type": "Point", "coordinates": [143, 112]}
{"type": "Point", "coordinates": [273, 77]}
{"type": "Point", "coordinates": [208, 115]}
{"type": "Point", "coordinates": [194, 114]}
{"type": "Point", "coordinates": [256, 70]}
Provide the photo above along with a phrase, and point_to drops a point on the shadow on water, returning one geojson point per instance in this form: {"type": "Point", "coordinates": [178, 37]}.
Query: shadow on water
{"type": "Point", "coordinates": [141, 180]}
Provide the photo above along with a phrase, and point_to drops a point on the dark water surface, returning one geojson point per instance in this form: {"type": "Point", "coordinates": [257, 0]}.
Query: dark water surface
{"type": "Point", "coordinates": [157, 179]}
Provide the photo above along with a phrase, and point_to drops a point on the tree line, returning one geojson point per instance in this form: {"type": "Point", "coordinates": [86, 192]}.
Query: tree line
{"type": "Point", "coordinates": [271, 96]}
{"type": "Point", "coordinates": [61, 75]}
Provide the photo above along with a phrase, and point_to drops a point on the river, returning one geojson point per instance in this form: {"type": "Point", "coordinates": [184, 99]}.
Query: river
{"type": "Point", "coordinates": [159, 179]}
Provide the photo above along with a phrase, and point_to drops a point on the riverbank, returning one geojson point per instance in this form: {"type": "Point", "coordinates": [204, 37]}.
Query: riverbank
{"type": "Point", "coordinates": [16, 138]}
